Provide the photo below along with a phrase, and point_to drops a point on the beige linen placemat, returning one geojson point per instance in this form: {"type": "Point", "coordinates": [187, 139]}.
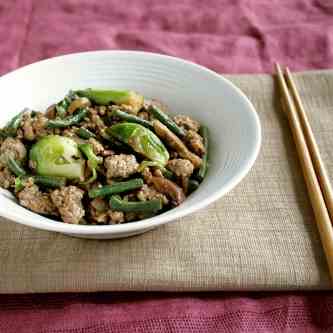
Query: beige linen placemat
{"type": "Point", "coordinates": [261, 236]}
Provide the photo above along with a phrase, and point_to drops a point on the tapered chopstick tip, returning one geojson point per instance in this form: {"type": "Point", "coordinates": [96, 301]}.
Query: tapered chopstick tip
{"type": "Point", "coordinates": [277, 66]}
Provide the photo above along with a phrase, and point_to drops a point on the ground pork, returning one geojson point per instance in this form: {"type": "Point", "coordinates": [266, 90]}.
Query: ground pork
{"type": "Point", "coordinates": [93, 121]}
{"type": "Point", "coordinates": [32, 198]}
{"type": "Point", "coordinates": [120, 166]}
{"type": "Point", "coordinates": [14, 148]}
{"type": "Point", "coordinates": [70, 132]}
{"type": "Point", "coordinates": [7, 179]}
{"type": "Point", "coordinates": [187, 123]}
{"type": "Point", "coordinates": [116, 217]}
{"type": "Point", "coordinates": [147, 175]}
{"type": "Point", "coordinates": [97, 146]}
{"type": "Point", "coordinates": [195, 142]}
{"type": "Point", "coordinates": [147, 193]}
{"type": "Point", "coordinates": [99, 210]}
{"type": "Point", "coordinates": [181, 167]}
{"type": "Point", "coordinates": [68, 201]}
{"type": "Point", "coordinates": [34, 127]}
{"type": "Point", "coordinates": [135, 216]}
{"type": "Point", "coordinates": [102, 110]}
{"type": "Point", "coordinates": [102, 214]}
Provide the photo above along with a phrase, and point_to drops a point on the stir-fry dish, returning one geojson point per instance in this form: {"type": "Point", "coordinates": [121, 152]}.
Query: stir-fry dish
{"type": "Point", "coordinates": [102, 157]}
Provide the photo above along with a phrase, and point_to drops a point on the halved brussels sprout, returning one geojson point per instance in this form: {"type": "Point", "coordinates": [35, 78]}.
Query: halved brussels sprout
{"type": "Point", "coordinates": [104, 97]}
{"type": "Point", "coordinates": [54, 155]}
{"type": "Point", "coordinates": [142, 140]}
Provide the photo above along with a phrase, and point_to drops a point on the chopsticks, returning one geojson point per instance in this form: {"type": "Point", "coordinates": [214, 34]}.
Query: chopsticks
{"type": "Point", "coordinates": [315, 174]}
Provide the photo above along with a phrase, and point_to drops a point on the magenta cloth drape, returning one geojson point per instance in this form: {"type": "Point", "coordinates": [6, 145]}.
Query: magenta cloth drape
{"type": "Point", "coordinates": [238, 36]}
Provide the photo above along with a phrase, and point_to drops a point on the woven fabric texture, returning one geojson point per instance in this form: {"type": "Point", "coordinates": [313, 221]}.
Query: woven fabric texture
{"type": "Point", "coordinates": [166, 313]}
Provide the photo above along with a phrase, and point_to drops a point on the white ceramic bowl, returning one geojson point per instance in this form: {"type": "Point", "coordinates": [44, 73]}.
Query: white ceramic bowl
{"type": "Point", "coordinates": [187, 88]}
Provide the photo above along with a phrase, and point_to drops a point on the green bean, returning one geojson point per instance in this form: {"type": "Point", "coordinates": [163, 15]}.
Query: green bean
{"type": "Point", "coordinates": [68, 121]}
{"type": "Point", "coordinates": [15, 167]}
{"type": "Point", "coordinates": [168, 174]}
{"type": "Point", "coordinates": [85, 133]}
{"type": "Point", "coordinates": [192, 185]}
{"type": "Point", "coordinates": [166, 120]}
{"type": "Point", "coordinates": [13, 125]}
{"type": "Point", "coordinates": [131, 119]}
{"type": "Point", "coordinates": [88, 151]}
{"type": "Point", "coordinates": [62, 107]}
{"type": "Point", "coordinates": [48, 181]}
{"type": "Point", "coordinates": [118, 204]}
{"type": "Point", "coordinates": [204, 165]}
{"type": "Point", "coordinates": [3, 134]}
{"type": "Point", "coordinates": [118, 187]}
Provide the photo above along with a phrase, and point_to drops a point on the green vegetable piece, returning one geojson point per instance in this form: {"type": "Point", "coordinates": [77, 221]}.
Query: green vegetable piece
{"type": "Point", "coordinates": [131, 119]}
{"type": "Point", "coordinates": [105, 97]}
{"type": "Point", "coordinates": [68, 121]}
{"type": "Point", "coordinates": [47, 181]}
{"type": "Point", "coordinates": [168, 174]}
{"type": "Point", "coordinates": [166, 120]}
{"type": "Point", "coordinates": [93, 160]}
{"type": "Point", "coordinates": [145, 164]}
{"type": "Point", "coordinates": [118, 187]}
{"type": "Point", "coordinates": [142, 140]}
{"type": "Point", "coordinates": [55, 155]}
{"type": "Point", "coordinates": [85, 133]}
{"type": "Point", "coordinates": [12, 126]}
{"type": "Point", "coordinates": [114, 143]}
{"type": "Point", "coordinates": [15, 167]}
{"type": "Point", "coordinates": [192, 185]}
{"type": "Point", "coordinates": [204, 166]}
{"type": "Point", "coordinates": [19, 184]}
{"type": "Point", "coordinates": [151, 206]}
{"type": "Point", "coordinates": [88, 151]}
{"type": "Point", "coordinates": [62, 107]}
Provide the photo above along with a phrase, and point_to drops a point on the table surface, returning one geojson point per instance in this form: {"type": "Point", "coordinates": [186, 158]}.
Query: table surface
{"type": "Point", "coordinates": [226, 36]}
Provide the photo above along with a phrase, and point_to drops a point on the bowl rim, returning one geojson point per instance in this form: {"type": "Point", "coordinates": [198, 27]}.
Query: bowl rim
{"type": "Point", "coordinates": [158, 220]}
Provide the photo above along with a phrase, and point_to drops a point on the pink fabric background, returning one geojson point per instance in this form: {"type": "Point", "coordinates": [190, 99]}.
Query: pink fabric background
{"type": "Point", "coordinates": [229, 36]}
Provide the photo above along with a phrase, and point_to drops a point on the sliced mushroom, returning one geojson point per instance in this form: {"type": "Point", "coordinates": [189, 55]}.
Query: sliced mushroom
{"type": "Point", "coordinates": [174, 142]}
{"type": "Point", "coordinates": [169, 188]}
{"type": "Point", "coordinates": [51, 112]}
{"type": "Point", "coordinates": [81, 102]}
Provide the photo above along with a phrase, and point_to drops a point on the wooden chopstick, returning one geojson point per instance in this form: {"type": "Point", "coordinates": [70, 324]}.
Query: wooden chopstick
{"type": "Point", "coordinates": [312, 145]}
{"type": "Point", "coordinates": [321, 213]}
